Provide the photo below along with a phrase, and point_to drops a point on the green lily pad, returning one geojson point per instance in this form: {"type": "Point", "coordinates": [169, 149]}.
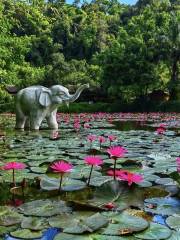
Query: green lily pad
{"type": "Point", "coordinates": [155, 232]}
{"type": "Point", "coordinates": [62, 221]}
{"type": "Point", "coordinates": [65, 236]}
{"type": "Point", "coordinates": [124, 223]}
{"type": "Point", "coordinates": [44, 208]}
{"type": "Point", "coordinates": [106, 237]}
{"type": "Point", "coordinates": [163, 206]}
{"type": "Point", "coordinates": [174, 222]}
{"type": "Point", "coordinates": [89, 224]}
{"type": "Point", "coordinates": [98, 181]}
{"type": "Point", "coordinates": [39, 169]}
{"type": "Point", "coordinates": [34, 223]}
{"type": "Point", "coordinates": [4, 230]}
{"type": "Point", "coordinates": [67, 184]}
{"type": "Point", "coordinates": [9, 217]}
{"type": "Point", "coordinates": [26, 234]}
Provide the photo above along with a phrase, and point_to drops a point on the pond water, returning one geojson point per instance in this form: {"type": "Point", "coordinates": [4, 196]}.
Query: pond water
{"type": "Point", "coordinates": [34, 208]}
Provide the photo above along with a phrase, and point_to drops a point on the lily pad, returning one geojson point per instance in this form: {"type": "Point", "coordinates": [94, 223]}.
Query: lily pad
{"type": "Point", "coordinates": [65, 236]}
{"type": "Point", "coordinates": [124, 223]}
{"type": "Point", "coordinates": [9, 217]}
{"type": "Point", "coordinates": [89, 224]}
{"type": "Point", "coordinates": [26, 234]}
{"type": "Point", "coordinates": [174, 222]}
{"type": "Point", "coordinates": [34, 223]}
{"type": "Point", "coordinates": [44, 208]}
{"type": "Point", "coordinates": [164, 206]}
{"type": "Point", "coordinates": [155, 232]}
{"type": "Point", "coordinates": [67, 185]}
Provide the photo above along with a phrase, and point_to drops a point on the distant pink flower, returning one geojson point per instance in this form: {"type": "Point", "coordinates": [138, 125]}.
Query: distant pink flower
{"type": "Point", "coordinates": [14, 165]}
{"type": "Point", "coordinates": [130, 177]}
{"type": "Point", "coordinates": [93, 160]}
{"type": "Point", "coordinates": [61, 167]}
{"type": "Point", "coordinates": [101, 139]}
{"type": "Point", "coordinates": [116, 151]}
{"type": "Point", "coordinates": [160, 130]}
{"type": "Point", "coordinates": [77, 126]}
{"type": "Point", "coordinates": [91, 138]}
{"type": "Point", "coordinates": [112, 138]}
{"type": "Point", "coordinates": [86, 125]}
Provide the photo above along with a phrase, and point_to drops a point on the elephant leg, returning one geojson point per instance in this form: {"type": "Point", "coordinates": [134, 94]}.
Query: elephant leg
{"type": "Point", "coordinates": [51, 120]}
{"type": "Point", "coordinates": [27, 123]}
{"type": "Point", "coordinates": [36, 120]}
{"type": "Point", "coordinates": [20, 119]}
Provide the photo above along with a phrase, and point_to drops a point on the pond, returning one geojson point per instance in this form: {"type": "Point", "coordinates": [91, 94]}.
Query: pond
{"type": "Point", "coordinates": [134, 195]}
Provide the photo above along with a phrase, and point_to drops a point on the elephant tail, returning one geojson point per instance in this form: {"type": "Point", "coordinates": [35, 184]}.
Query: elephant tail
{"type": "Point", "coordinates": [11, 89]}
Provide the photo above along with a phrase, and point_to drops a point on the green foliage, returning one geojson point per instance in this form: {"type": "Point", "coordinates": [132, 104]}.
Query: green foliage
{"type": "Point", "coordinates": [127, 51]}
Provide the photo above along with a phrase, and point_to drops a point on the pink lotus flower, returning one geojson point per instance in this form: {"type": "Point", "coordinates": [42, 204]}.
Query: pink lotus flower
{"type": "Point", "coordinates": [101, 139]}
{"type": "Point", "coordinates": [61, 167]}
{"type": "Point", "coordinates": [14, 166]}
{"type": "Point", "coordinates": [160, 130]}
{"type": "Point", "coordinates": [116, 151]}
{"type": "Point", "coordinates": [112, 138]}
{"type": "Point", "coordinates": [91, 138]}
{"type": "Point", "coordinates": [93, 160]}
{"type": "Point", "coordinates": [130, 177]}
{"type": "Point", "coordinates": [86, 125]}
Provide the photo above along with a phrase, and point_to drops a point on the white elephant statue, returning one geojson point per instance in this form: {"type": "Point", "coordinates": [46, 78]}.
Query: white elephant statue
{"type": "Point", "coordinates": [34, 104]}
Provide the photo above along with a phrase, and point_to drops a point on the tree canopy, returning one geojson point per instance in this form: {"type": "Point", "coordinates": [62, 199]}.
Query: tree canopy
{"type": "Point", "coordinates": [127, 51]}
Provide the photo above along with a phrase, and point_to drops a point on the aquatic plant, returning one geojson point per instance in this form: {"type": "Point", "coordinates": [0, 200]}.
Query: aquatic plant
{"type": "Point", "coordinates": [116, 152]}
{"type": "Point", "coordinates": [61, 167]}
{"type": "Point", "coordinates": [93, 161]}
{"type": "Point", "coordinates": [14, 166]}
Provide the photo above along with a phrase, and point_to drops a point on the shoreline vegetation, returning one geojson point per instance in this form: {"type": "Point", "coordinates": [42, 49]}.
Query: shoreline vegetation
{"type": "Point", "coordinates": [126, 53]}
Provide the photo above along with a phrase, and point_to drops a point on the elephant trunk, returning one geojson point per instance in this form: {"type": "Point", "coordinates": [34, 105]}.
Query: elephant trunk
{"type": "Point", "coordinates": [73, 97]}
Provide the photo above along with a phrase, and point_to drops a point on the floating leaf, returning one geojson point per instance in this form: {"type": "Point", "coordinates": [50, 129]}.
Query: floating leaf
{"type": "Point", "coordinates": [65, 236]}
{"type": "Point", "coordinates": [124, 223]}
{"type": "Point", "coordinates": [9, 217]}
{"type": "Point", "coordinates": [174, 222]}
{"type": "Point", "coordinates": [89, 224]}
{"type": "Point", "coordinates": [26, 234]}
{"type": "Point", "coordinates": [67, 185]}
{"type": "Point", "coordinates": [34, 223]}
{"type": "Point", "coordinates": [154, 232]}
{"type": "Point", "coordinates": [163, 206]}
{"type": "Point", "coordinates": [44, 208]}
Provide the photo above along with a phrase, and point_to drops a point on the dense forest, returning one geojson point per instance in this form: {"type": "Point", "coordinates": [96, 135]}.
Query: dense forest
{"type": "Point", "coordinates": [125, 52]}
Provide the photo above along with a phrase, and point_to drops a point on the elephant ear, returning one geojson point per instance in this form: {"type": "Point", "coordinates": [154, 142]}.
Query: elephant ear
{"type": "Point", "coordinates": [45, 98]}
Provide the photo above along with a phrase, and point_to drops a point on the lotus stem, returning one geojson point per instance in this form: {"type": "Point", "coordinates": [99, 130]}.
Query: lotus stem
{"type": "Point", "coordinates": [14, 183]}
{"type": "Point", "coordinates": [115, 159]}
{"type": "Point", "coordinates": [90, 175]}
{"type": "Point", "coordinates": [60, 183]}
